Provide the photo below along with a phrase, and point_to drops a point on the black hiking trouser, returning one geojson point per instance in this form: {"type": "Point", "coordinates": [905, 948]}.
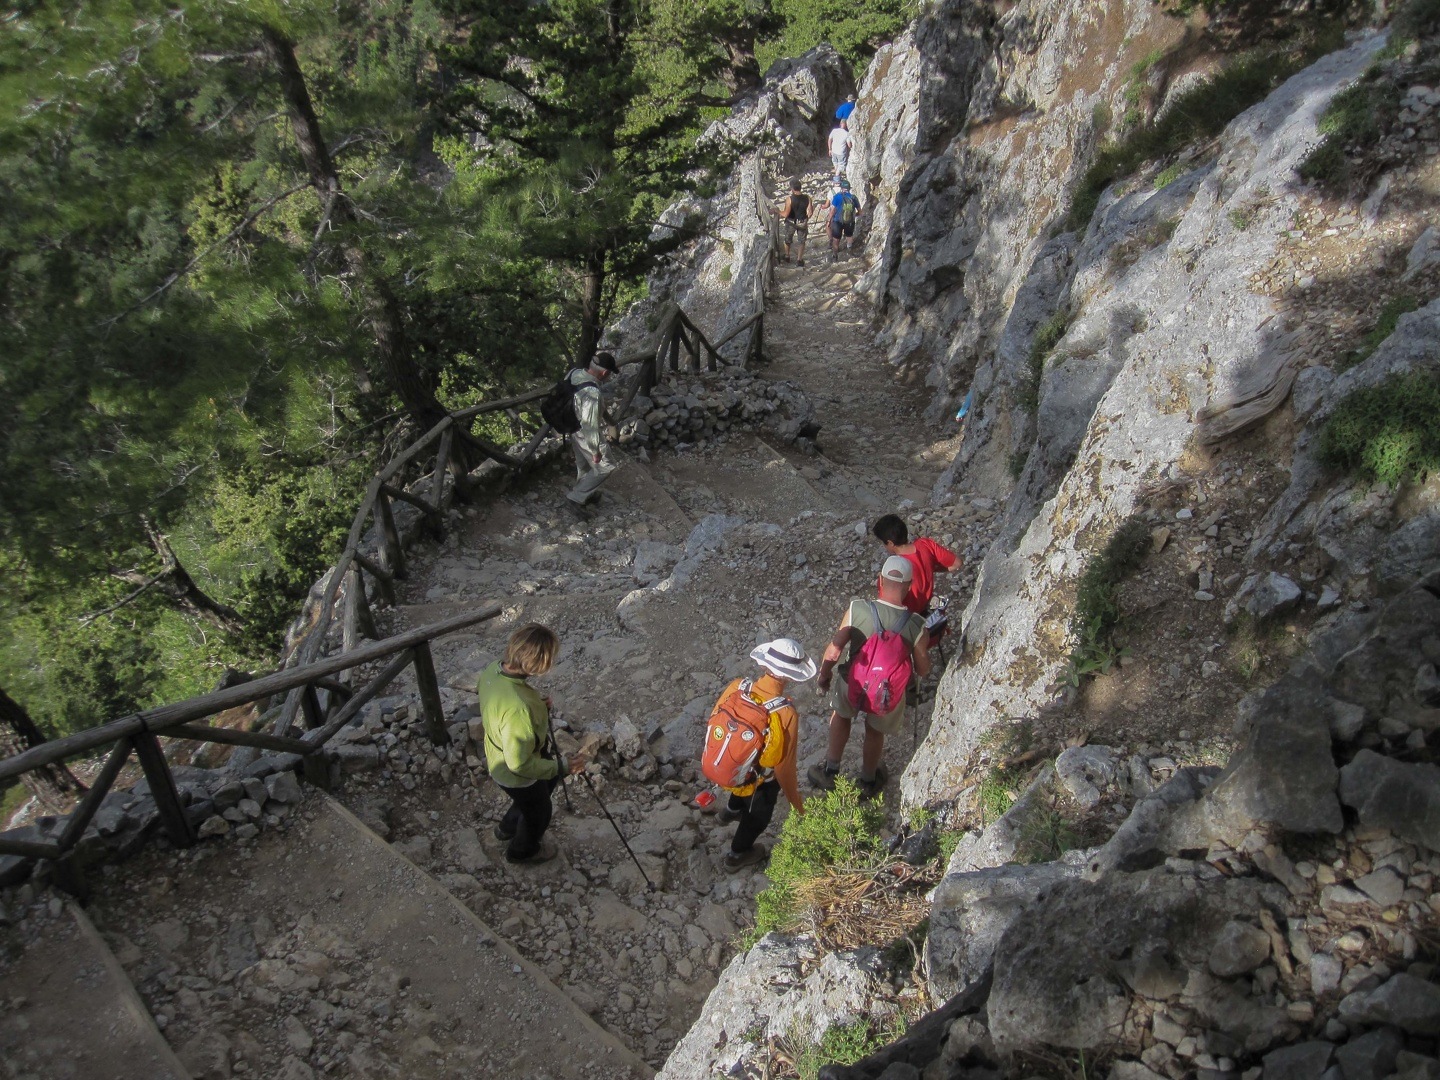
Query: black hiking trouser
{"type": "Point", "coordinates": [528, 817]}
{"type": "Point", "coordinates": [755, 810]}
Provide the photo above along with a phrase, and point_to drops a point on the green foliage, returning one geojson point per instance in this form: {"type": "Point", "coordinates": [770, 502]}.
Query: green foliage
{"type": "Point", "coordinates": [855, 29]}
{"type": "Point", "coordinates": [1015, 463]}
{"type": "Point", "coordinates": [1047, 336]}
{"type": "Point", "coordinates": [1389, 432]}
{"type": "Point", "coordinates": [1241, 219]}
{"type": "Point", "coordinates": [1414, 19]}
{"type": "Point", "coordinates": [838, 830]}
{"type": "Point", "coordinates": [1384, 326]}
{"type": "Point", "coordinates": [845, 1044]}
{"type": "Point", "coordinates": [1097, 605]}
{"type": "Point", "coordinates": [14, 798]}
{"type": "Point", "coordinates": [1168, 176]}
{"type": "Point", "coordinates": [946, 844]}
{"type": "Point", "coordinates": [1045, 835]}
{"type": "Point", "coordinates": [1200, 113]}
{"type": "Point", "coordinates": [997, 793]}
{"type": "Point", "coordinates": [1354, 121]}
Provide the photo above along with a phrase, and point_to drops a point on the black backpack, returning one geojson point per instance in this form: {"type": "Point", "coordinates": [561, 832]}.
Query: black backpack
{"type": "Point", "coordinates": [558, 407]}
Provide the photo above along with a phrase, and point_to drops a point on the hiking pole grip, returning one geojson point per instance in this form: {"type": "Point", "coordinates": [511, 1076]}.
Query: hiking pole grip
{"type": "Point", "coordinates": [650, 885]}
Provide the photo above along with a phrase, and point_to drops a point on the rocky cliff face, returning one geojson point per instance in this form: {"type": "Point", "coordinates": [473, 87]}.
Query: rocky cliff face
{"type": "Point", "coordinates": [1171, 362]}
{"type": "Point", "coordinates": [1187, 307]}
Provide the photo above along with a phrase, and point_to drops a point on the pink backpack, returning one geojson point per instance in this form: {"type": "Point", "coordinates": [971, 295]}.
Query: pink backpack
{"type": "Point", "coordinates": [881, 670]}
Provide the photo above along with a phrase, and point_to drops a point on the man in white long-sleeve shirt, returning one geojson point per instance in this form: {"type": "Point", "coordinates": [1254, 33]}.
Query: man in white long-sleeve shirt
{"type": "Point", "coordinates": [593, 463]}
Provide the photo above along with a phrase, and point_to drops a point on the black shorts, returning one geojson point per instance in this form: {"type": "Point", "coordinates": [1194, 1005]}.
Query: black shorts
{"type": "Point", "coordinates": [839, 229]}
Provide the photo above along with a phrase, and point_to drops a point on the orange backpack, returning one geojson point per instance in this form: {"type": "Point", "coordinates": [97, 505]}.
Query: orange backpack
{"type": "Point", "coordinates": [735, 737]}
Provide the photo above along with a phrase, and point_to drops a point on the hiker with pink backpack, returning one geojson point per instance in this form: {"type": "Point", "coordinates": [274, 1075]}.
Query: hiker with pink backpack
{"type": "Point", "coordinates": [888, 647]}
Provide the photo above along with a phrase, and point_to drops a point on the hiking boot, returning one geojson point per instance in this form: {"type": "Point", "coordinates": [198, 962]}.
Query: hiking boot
{"type": "Point", "coordinates": [800, 263]}
{"type": "Point", "coordinates": [874, 789]}
{"type": "Point", "coordinates": [501, 833]}
{"type": "Point", "coordinates": [737, 861]}
{"type": "Point", "coordinates": [821, 778]}
{"type": "Point", "coordinates": [543, 854]}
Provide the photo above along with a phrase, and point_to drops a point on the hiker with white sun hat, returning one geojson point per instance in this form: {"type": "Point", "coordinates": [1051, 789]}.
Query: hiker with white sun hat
{"type": "Point", "coordinates": [751, 740]}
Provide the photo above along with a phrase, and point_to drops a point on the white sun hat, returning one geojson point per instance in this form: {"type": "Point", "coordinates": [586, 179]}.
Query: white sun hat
{"type": "Point", "coordinates": [898, 569]}
{"type": "Point", "coordinates": [786, 658]}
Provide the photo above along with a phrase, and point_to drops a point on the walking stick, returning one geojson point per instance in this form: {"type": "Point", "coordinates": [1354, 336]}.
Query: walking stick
{"type": "Point", "coordinates": [648, 883]}
{"type": "Point", "coordinates": [555, 750]}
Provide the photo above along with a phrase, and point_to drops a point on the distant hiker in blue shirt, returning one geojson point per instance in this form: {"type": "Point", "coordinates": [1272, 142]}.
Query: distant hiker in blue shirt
{"type": "Point", "coordinates": [844, 209]}
{"type": "Point", "coordinates": [845, 108]}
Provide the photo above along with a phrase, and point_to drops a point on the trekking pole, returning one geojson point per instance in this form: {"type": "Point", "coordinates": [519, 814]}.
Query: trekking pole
{"type": "Point", "coordinates": [648, 883]}
{"type": "Point", "coordinates": [555, 750]}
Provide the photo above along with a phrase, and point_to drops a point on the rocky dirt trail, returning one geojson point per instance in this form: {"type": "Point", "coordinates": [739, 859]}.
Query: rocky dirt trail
{"type": "Point", "coordinates": [694, 556]}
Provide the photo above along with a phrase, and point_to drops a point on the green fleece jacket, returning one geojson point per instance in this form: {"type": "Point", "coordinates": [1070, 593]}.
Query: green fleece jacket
{"type": "Point", "coordinates": [517, 724]}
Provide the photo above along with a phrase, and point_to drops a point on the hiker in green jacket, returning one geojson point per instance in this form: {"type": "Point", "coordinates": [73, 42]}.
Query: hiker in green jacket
{"type": "Point", "coordinates": [517, 731]}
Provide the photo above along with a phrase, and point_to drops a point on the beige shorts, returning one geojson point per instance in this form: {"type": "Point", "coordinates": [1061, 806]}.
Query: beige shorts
{"type": "Point", "coordinates": [888, 724]}
{"type": "Point", "coordinates": [794, 227]}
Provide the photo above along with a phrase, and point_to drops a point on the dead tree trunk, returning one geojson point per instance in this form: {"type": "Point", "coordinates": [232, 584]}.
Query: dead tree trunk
{"type": "Point", "coordinates": [54, 786]}
{"type": "Point", "coordinates": [378, 302]}
{"type": "Point", "coordinates": [592, 291]}
{"type": "Point", "coordinates": [179, 589]}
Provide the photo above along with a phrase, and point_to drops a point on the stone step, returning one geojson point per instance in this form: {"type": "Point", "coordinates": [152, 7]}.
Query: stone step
{"type": "Point", "coordinates": [746, 477]}
{"type": "Point", "coordinates": [333, 953]}
{"type": "Point", "coordinates": [70, 1011]}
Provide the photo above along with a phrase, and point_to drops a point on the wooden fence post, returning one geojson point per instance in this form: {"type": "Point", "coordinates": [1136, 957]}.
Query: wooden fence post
{"type": "Point", "coordinates": [162, 790]}
{"type": "Point", "coordinates": [392, 552]}
{"type": "Point", "coordinates": [310, 705]}
{"type": "Point", "coordinates": [429, 687]}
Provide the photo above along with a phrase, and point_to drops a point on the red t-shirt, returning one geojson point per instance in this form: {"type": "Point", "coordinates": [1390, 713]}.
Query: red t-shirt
{"type": "Point", "coordinates": [927, 556]}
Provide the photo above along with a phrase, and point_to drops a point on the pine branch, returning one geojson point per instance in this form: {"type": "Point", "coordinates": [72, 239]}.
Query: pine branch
{"type": "Point", "coordinates": [245, 222]}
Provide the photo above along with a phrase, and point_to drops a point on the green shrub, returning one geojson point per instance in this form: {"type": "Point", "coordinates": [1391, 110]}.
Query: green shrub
{"type": "Point", "coordinates": [1355, 119]}
{"type": "Point", "coordinates": [1200, 113]}
{"type": "Point", "coordinates": [1169, 176]}
{"type": "Point", "coordinates": [1389, 432]}
{"type": "Point", "coordinates": [1097, 605]}
{"type": "Point", "coordinates": [1047, 336]}
{"type": "Point", "coordinates": [1384, 327]}
{"type": "Point", "coordinates": [845, 1044]}
{"type": "Point", "coordinates": [1241, 219]}
{"type": "Point", "coordinates": [838, 830]}
{"type": "Point", "coordinates": [1045, 835]}
{"type": "Point", "coordinates": [1415, 19]}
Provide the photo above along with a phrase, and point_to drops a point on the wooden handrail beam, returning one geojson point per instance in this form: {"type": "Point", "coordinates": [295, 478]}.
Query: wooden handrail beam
{"type": "Point", "coordinates": [164, 717]}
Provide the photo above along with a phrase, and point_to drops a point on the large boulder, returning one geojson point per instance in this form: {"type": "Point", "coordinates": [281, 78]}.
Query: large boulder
{"type": "Point", "coordinates": [971, 911]}
{"type": "Point", "coordinates": [1065, 969]}
{"type": "Point", "coordinates": [1395, 795]}
{"type": "Point", "coordinates": [1285, 775]}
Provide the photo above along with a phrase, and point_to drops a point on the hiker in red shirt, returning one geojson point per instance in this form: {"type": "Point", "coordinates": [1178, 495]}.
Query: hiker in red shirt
{"type": "Point", "coordinates": [925, 555]}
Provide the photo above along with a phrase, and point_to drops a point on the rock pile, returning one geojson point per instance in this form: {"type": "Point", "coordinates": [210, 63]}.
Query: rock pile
{"type": "Point", "coordinates": [702, 407]}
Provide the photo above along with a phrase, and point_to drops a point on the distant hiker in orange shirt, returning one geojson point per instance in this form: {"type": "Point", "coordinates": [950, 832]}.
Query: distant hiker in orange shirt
{"type": "Point", "coordinates": [925, 555]}
{"type": "Point", "coordinates": [750, 745]}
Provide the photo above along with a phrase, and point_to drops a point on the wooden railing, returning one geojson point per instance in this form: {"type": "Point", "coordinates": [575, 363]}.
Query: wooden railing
{"type": "Point", "coordinates": [138, 734]}
{"type": "Point", "coordinates": [432, 497]}
{"type": "Point", "coordinates": [309, 677]}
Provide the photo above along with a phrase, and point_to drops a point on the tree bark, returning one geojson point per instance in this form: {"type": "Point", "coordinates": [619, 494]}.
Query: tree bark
{"type": "Point", "coordinates": [178, 587]}
{"type": "Point", "coordinates": [592, 289]}
{"type": "Point", "coordinates": [743, 72]}
{"type": "Point", "coordinates": [378, 302]}
{"type": "Point", "coordinates": [54, 786]}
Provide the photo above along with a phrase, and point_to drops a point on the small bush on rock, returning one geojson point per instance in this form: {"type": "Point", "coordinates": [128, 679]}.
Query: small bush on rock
{"type": "Point", "coordinates": [1389, 432]}
{"type": "Point", "coordinates": [845, 1044]}
{"type": "Point", "coordinates": [837, 830]}
{"type": "Point", "coordinates": [1355, 120]}
{"type": "Point", "coordinates": [1384, 327]}
{"type": "Point", "coordinates": [1097, 607]}
{"type": "Point", "coordinates": [1047, 336]}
